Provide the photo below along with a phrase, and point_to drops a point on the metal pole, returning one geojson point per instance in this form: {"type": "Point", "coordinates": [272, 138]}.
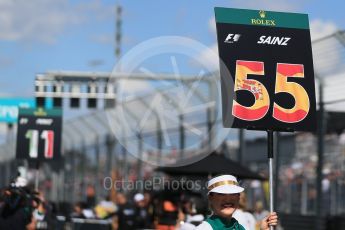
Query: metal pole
{"type": "Point", "coordinates": [63, 183]}
{"type": "Point", "coordinates": [241, 149]}
{"type": "Point", "coordinates": [270, 164]}
{"type": "Point", "coordinates": [212, 116]}
{"type": "Point", "coordinates": [333, 198]}
{"type": "Point", "coordinates": [209, 128]}
{"type": "Point", "coordinates": [9, 134]}
{"type": "Point", "coordinates": [118, 34]}
{"type": "Point", "coordinates": [7, 165]}
{"type": "Point", "coordinates": [124, 170]}
{"type": "Point", "coordinates": [82, 168]}
{"type": "Point", "coordinates": [182, 136]}
{"type": "Point", "coordinates": [320, 146]}
{"type": "Point", "coordinates": [98, 150]}
{"type": "Point", "coordinates": [140, 162]}
{"type": "Point", "coordinates": [159, 142]}
{"type": "Point", "coordinates": [277, 165]}
{"type": "Point", "coordinates": [339, 202]}
{"type": "Point", "coordinates": [37, 175]}
{"type": "Point", "coordinates": [110, 142]}
{"type": "Point", "coordinates": [72, 176]}
{"type": "Point", "coordinates": [304, 197]}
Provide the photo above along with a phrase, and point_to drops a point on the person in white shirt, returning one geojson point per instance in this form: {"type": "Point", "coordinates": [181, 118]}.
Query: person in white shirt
{"type": "Point", "coordinates": [245, 218]}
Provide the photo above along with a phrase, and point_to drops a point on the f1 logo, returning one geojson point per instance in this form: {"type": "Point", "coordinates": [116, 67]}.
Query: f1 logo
{"type": "Point", "coordinates": [231, 38]}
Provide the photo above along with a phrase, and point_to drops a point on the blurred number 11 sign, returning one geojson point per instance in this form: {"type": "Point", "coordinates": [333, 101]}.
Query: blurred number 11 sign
{"type": "Point", "coordinates": [39, 134]}
{"type": "Point", "coordinates": [269, 58]}
{"type": "Point", "coordinates": [33, 137]}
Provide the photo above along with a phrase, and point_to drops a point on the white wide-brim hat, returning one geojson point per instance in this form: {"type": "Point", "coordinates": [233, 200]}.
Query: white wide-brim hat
{"type": "Point", "coordinates": [225, 184]}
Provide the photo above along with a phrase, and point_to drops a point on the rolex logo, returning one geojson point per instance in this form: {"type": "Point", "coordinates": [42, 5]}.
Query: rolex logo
{"type": "Point", "coordinates": [262, 14]}
{"type": "Point", "coordinates": [40, 112]}
{"type": "Point", "coordinates": [263, 21]}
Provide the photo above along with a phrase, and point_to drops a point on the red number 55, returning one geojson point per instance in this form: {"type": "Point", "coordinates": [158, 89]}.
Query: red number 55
{"type": "Point", "coordinates": [262, 100]}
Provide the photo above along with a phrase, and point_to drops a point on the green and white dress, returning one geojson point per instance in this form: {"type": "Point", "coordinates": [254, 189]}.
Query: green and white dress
{"type": "Point", "coordinates": [218, 223]}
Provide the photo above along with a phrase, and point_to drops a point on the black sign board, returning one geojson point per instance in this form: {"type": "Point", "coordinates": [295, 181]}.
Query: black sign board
{"type": "Point", "coordinates": [39, 134]}
{"type": "Point", "coordinates": [269, 58]}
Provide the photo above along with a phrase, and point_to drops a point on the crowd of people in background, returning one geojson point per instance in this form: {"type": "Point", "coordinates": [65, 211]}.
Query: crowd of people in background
{"type": "Point", "coordinates": [141, 211]}
{"type": "Point", "coordinates": [161, 210]}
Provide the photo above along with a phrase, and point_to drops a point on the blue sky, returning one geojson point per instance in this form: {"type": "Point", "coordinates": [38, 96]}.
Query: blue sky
{"type": "Point", "coordinates": [41, 35]}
